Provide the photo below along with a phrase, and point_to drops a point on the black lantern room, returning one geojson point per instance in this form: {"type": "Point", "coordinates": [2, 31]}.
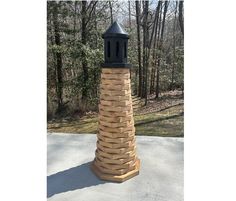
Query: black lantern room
{"type": "Point", "coordinates": [115, 47]}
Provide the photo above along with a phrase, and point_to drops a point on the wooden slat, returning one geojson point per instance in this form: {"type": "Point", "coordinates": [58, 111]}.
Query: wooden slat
{"type": "Point", "coordinates": [119, 145]}
{"type": "Point", "coordinates": [115, 98]}
{"type": "Point", "coordinates": [115, 108]}
{"type": "Point", "coordinates": [115, 140]}
{"type": "Point", "coordinates": [115, 114]}
{"type": "Point", "coordinates": [115, 93]}
{"type": "Point", "coordinates": [115, 103]}
{"type": "Point", "coordinates": [116, 124]}
{"type": "Point", "coordinates": [117, 135]}
{"type": "Point", "coordinates": [115, 151]}
{"type": "Point", "coordinates": [115, 119]}
{"type": "Point", "coordinates": [116, 178]}
{"type": "Point", "coordinates": [115, 82]}
{"type": "Point", "coordinates": [117, 156]}
{"type": "Point", "coordinates": [113, 87]}
{"type": "Point", "coordinates": [115, 76]}
{"type": "Point", "coordinates": [109, 171]}
{"type": "Point", "coordinates": [115, 70]}
{"type": "Point", "coordinates": [116, 130]}
{"type": "Point", "coordinates": [114, 161]}
{"type": "Point", "coordinates": [129, 165]}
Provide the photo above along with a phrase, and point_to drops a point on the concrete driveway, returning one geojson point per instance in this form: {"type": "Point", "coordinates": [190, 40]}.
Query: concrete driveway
{"type": "Point", "coordinates": [70, 178]}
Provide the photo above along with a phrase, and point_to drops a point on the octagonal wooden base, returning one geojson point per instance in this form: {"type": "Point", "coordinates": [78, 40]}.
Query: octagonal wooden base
{"type": "Point", "coordinates": [115, 178]}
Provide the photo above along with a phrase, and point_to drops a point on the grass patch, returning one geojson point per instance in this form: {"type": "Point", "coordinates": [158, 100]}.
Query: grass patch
{"type": "Point", "coordinates": [85, 125]}
{"type": "Point", "coordinates": [166, 122]}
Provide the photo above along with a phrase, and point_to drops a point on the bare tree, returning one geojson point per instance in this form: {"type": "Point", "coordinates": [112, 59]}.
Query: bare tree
{"type": "Point", "coordinates": [160, 48]}
{"type": "Point", "coordinates": [137, 6]}
{"type": "Point", "coordinates": [84, 42]}
{"type": "Point", "coordinates": [173, 60]}
{"type": "Point", "coordinates": [145, 47]}
{"type": "Point", "coordinates": [181, 20]}
{"type": "Point", "coordinates": [59, 83]}
{"type": "Point", "coordinates": [154, 55]}
{"type": "Point", "coordinates": [74, 32]}
{"type": "Point", "coordinates": [110, 6]}
{"type": "Point", "coordinates": [86, 13]}
{"type": "Point", "coordinates": [129, 15]}
{"type": "Point", "coordinates": [154, 28]}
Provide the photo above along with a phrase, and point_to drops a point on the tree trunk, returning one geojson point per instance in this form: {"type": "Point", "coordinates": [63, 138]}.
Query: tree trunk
{"type": "Point", "coordinates": [74, 32]}
{"type": "Point", "coordinates": [160, 48]}
{"type": "Point", "coordinates": [54, 60]}
{"type": "Point", "coordinates": [146, 51]}
{"type": "Point", "coordinates": [153, 37]}
{"type": "Point", "coordinates": [74, 23]}
{"type": "Point", "coordinates": [139, 48]}
{"type": "Point", "coordinates": [129, 16]}
{"type": "Point", "coordinates": [84, 59]}
{"type": "Point", "coordinates": [59, 85]}
{"type": "Point", "coordinates": [95, 74]}
{"type": "Point", "coordinates": [156, 27]}
{"type": "Point", "coordinates": [111, 12]}
{"type": "Point", "coordinates": [181, 19]}
{"type": "Point", "coordinates": [156, 44]}
{"type": "Point", "coordinates": [173, 62]}
{"type": "Point", "coordinates": [145, 13]}
{"type": "Point", "coordinates": [152, 80]}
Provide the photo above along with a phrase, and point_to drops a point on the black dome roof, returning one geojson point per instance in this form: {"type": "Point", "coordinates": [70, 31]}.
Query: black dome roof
{"type": "Point", "coordinates": [115, 30]}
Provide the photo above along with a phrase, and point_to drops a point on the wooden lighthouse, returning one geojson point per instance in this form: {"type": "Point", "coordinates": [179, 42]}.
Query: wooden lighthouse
{"type": "Point", "coordinates": [115, 156]}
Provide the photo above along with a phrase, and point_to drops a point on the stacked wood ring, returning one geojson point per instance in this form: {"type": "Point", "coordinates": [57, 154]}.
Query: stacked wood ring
{"type": "Point", "coordinates": [115, 157]}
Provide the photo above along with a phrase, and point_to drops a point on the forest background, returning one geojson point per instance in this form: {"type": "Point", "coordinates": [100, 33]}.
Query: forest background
{"type": "Point", "coordinates": [75, 53]}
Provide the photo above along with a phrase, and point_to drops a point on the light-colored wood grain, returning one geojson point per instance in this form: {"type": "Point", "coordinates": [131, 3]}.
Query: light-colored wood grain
{"type": "Point", "coordinates": [114, 161]}
{"type": "Point", "coordinates": [115, 93]}
{"type": "Point", "coordinates": [115, 114]}
{"type": "Point", "coordinates": [115, 98]}
{"type": "Point", "coordinates": [115, 87]}
{"type": "Point", "coordinates": [126, 155]}
{"type": "Point", "coordinates": [115, 76]}
{"type": "Point", "coordinates": [116, 124]}
{"type": "Point", "coordinates": [115, 82]}
{"type": "Point", "coordinates": [115, 119]}
{"type": "Point", "coordinates": [115, 156]}
{"type": "Point", "coordinates": [115, 151]}
{"type": "Point", "coordinates": [115, 145]}
{"type": "Point", "coordinates": [115, 140]}
{"type": "Point", "coordinates": [128, 165]}
{"type": "Point", "coordinates": [127, 108]}
{"type": "Point", "coordinates": [115, 103]}
{"type": "Point", "coordinates": [116, 130]}
{"type": "Point", "coordinates": [116, 177]}
{"type": "Point", "coordinates": [108, 171]}
{"type": "Point", "coordinates": [115, 70]}
{"type": "Point", "coordinates": [117, 135]}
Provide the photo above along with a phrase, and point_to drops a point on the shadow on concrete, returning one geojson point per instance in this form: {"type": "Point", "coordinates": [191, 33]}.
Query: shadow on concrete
{"type": "Point", "coordinates": [72, 179]}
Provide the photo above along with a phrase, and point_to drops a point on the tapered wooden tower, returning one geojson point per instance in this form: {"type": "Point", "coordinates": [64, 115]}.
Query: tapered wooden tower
{"type": "Point", "coordinates": [115, 157]}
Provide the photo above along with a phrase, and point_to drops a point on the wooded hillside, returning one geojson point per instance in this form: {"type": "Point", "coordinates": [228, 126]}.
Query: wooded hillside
{"type": "Point", "coordinates": [75, 50]}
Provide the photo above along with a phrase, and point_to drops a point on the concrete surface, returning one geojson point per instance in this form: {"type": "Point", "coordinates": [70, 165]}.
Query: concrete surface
{"type": "Point", "coordinates": [70, 178]}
